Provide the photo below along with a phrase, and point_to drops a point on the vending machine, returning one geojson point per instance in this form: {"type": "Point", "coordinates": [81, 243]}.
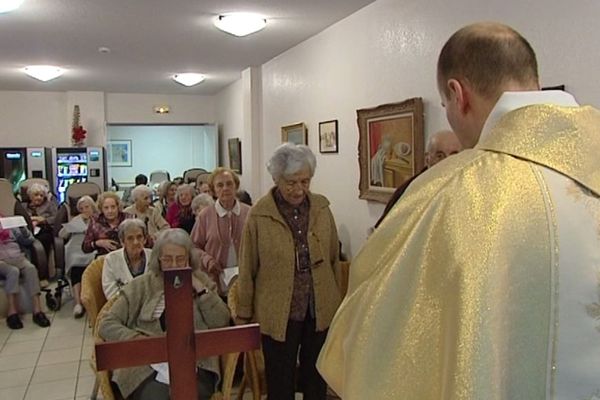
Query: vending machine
{"type": "Point", "coordinates": [77, 164]}
{"type": "Point", "coordinates": [20, 163]}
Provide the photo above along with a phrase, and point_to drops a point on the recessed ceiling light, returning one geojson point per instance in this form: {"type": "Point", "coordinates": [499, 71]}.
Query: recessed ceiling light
{"type": "Point", "coordinates": [43, 73]}
{"type": "Point", "coordinates": [240, 24]}
{"type": "Point", "coordinates": [9, 5]}
{"type": "Point", "coordinates": [188, 78]}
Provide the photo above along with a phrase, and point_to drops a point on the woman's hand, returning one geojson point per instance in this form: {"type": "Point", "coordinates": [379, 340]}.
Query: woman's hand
{"type": "Point", "coordinates": [107, 244]}
{"type": "Point", "coordinates": [214, 267]}
{"type": "Point", "coordinates": [38, 220]}
{"type": "Point", "coordinates": [197, 285]}
{"type": "Point", "coordinates": [241, 321]}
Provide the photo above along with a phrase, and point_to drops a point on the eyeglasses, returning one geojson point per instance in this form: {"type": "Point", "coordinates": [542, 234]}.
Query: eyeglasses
{"type": "Point", "coordinates": [177, 260]}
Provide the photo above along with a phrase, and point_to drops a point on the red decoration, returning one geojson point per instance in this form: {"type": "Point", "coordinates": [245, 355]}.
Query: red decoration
{"type": "Point", "coordinates": [78, 134]}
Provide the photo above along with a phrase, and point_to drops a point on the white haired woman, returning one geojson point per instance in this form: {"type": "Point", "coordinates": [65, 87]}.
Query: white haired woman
{"type": "Point", "coordinates": [140, 311]}
{"type": "Point", "coordinates": [218, 229]}
{"type": "Point", "coordinates": [180, 213]}
{"type": "Point", "coordinates": [289, 273]}
{"type": "Point", "coordinates": [131, 260]}
{"type": "Point", "coordinates": [75, 259]}
{"type": "Point", "coordinates": [141, 209]}
{"type": "Point", "coordinates": [42, 209]}
{"type": "Point", "coordinates": [200, 202]}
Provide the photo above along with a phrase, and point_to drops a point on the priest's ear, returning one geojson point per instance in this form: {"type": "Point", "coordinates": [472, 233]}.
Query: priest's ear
{"type": "Point", "coordinates": [459, 93]}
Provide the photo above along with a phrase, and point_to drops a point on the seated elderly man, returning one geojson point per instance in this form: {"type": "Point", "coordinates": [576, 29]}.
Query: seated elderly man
{"type": "Point", "coordinates": [140, 311]}
{"type": "Point", "coordinates": [15, 266]}
{"type": "Point", "coordinates": [124, 264]}
{"type": "Point", "coordinates": [141, 209]}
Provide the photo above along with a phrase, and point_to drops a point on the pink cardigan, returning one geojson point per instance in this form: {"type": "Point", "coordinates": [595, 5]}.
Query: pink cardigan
{"type": "Point", "coordinates": [211, 235]}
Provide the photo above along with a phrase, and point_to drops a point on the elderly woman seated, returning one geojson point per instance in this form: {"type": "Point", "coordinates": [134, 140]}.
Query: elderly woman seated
{"type": "Point", "coordinates": [15, 266]}
{"type": "Point", "coordinates": [122, 265]}
{"type": "Point", "coordinates": [166, 197]}
{"type": "Point", "coordinates": [200, 202]}
{"type": "Point", "coordinates": [140, 311]}
{"type": "Point", "coordinates": [42, 209]}
{"type": "Point", "coordinates": [102, 233]}
{"type": "Point", "coordinates": [141, 209]}
{"type": "Point", "coordinates": [76, 260]}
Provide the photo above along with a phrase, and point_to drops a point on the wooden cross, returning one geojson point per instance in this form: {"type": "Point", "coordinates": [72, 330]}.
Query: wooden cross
{"type": "Point", "coordinates": [182, 345]}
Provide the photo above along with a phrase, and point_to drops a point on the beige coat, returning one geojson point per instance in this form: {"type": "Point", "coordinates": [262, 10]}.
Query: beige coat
{"type": "Point", "coordinates": [132, 315]}
{"type": "Point", "coordinates": [267, 262]}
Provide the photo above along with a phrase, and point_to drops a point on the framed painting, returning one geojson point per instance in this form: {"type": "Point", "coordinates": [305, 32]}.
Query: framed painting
{"type": "Point", "coordinates": [295, 133]}
{"type": "Point", "coordinates": [234, 147]}
{"type": "Point", "coordinates": [328, 136]}
{"type": "Point", "coordinates": [119, 153]}
{"type": "Point", "coordinates": [390, 147]}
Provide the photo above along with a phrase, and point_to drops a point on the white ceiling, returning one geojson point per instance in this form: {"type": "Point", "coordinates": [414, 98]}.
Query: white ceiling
{"type": "Point", "coordinates": [150, 40]}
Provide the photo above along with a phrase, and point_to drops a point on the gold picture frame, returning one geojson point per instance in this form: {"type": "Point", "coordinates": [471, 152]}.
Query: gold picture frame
{"type": "Point", "coordinates": [390, 147]}
{"type": "Point", "coordinates": [234, 147]}
{"type": "Point", "coordinates": [295, 133]}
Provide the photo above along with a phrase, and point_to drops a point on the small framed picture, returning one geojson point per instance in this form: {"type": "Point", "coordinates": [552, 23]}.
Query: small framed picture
{"type": "Point", "coordinates": [296, 133]}
{"type": "Point", "coordinates": [328, 136]}
{"type": "Point", "coordinates": [235, 155]}
{"type": "Point", "coordinates": [119, 153]}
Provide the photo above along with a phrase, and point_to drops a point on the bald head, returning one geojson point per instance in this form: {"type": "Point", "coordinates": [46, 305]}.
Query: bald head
{"type": "Point", "coordinates": [440, 145]}
{"type": "Point", "coordinates": [491, 57]}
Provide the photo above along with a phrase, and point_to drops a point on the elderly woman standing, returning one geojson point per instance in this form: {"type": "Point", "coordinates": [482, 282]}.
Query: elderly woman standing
{"type": "Point", "coordinates": [218, 229]}
{"type": "Point", "coordinates": [75, 259]}
{"type": "Point", "coordinates": [141, 209]}
{"type": "Point", "coordinates": [140, 311]}
{"type": "Point", "coordinates": [42, 210]}
{"type": "Point", "coordinates": [122, 265]}
{"type": "Point", "coordinates": [289, 274]}
{"type": "Point", "coordinates": [180, 213]}
{"type": "Point", "coordinates": [166, 197]}
{"type": "Point", "coordinates": [102, 233]}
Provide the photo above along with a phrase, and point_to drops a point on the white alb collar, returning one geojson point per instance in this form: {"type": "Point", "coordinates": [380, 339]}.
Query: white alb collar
{"type": "Point", "coordinates": [221, 211]}
{"type": "Point", "coordinates": [510, 101]}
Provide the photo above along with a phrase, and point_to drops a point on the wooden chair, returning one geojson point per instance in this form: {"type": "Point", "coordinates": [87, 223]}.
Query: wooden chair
{"type": "Point", "coordinates": [254, 364]}
{"type": "Point", "coordinates": [93, 299]}
{"type": "Point", "coordinates": [102, 377]}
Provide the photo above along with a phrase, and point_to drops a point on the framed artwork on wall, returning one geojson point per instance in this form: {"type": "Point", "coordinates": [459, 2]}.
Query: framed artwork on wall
{"type": "Point", "coordinates": [234, 147]}
{"type": "Point", "coordinates": [119, 153]}
{"type": "Point", "coordinates": [328, 136]}
{"type": "Point", "coordinates": [295, 133]}
{"type": "Point", "coordinates": [390, 147]}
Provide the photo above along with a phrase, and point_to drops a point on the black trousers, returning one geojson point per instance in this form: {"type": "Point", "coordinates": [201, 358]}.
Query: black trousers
{"type": "Point", "coordinates": [281, 359]}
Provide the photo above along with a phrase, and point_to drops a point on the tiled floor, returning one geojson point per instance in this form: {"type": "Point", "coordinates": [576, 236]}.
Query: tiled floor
{"type": "Point", "coordinates": [46, 363]}
{"type": "Point", "coordinates": [49, 363]}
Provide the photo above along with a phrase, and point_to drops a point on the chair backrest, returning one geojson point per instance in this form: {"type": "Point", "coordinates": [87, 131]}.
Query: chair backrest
{"type": "Point", "coordinates": [92, 295]}
{"type": "Point", "coordinates": [102, 377]}
{"type": "Point", "coordinates": [190, 175]}
{"type": "Point", "coordinates": [7, 198]}
{"type": "Point", "coordinates": [158, 177]}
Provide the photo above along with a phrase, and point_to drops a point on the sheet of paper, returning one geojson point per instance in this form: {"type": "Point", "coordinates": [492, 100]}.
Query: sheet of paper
{"type": "Point", "coordinates": [36, 230]}
{"type": "Point", "coordinates": [76, 225]}
{"type": "Point", "coordinates": [162, 372]}
{"type": "Point", "coordinates": [12, 222]}
{"type": "Point", "coordinates": [230, 273]}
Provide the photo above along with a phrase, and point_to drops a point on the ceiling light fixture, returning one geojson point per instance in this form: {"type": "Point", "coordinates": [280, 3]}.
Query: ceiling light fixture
{"type": "Point", "coordinates": [43, 73]}
{"type": "Point", "coordinates": [9, 5]}
{"type": "Point", "coordinates": [240, 24]}
{"type": "Point", "coordinates": [188, 78]}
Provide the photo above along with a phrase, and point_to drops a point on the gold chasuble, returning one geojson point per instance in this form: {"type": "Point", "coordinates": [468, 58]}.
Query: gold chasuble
{"type": "Point", "coordinates": [456, 295]}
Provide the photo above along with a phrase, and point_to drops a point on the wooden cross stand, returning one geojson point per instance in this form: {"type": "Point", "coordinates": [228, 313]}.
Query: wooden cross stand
{"type": "Point", "coordinates": [182, 345]}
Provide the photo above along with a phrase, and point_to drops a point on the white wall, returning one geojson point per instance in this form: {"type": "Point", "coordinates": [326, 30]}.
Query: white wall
{"type": "Point", "coordinates": [171, 148]}
{"type": "Point", "coordinates": [138, 108]}
{"type": "Point", "coordinates": [387, 52]}
{"type": "Point", "coordinates": [33, 119]}
{"type": "Point", "coordinates": [239, 114]}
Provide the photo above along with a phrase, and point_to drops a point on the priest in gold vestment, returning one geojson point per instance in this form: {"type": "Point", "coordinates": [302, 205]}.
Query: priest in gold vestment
{"type": "Point", "coordinates": [484, 281]}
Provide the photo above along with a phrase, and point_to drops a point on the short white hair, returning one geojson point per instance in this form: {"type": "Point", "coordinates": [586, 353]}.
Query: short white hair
{"type": "Point", "coordinates": [139, 190]}
{"type": "Point", "coordinates": [182, 188]}
{"type": "Point", "coordinates": [202, 200]}
{"type": "Point", "coordinates": [131, 223]}
{"type": "Point", "coordinates": [289, 159]}
{"type": "Point", "coordinates": [89, 200]}
{"type": "Point", "coordinates": [37, 188]}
